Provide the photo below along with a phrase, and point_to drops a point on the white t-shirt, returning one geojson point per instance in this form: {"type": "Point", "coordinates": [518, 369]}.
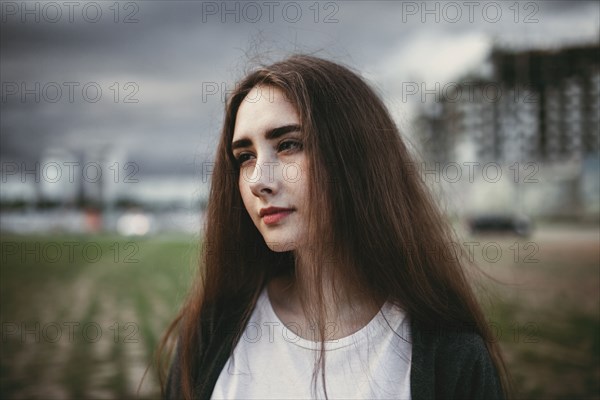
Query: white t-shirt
{"type": "Point", "coordinates": [271, 362]}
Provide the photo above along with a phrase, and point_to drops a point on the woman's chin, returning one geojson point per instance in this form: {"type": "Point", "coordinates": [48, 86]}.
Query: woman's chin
{"type": "Point", "coordinates": [281, 245]}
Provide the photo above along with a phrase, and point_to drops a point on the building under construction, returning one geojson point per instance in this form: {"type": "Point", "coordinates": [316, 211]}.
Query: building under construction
{"type": "Point", "coordinates": [539, 109]}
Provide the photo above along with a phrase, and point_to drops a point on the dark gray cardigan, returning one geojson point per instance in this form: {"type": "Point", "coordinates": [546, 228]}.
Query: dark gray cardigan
{"type": "Point", "coordinates": [445, 364]}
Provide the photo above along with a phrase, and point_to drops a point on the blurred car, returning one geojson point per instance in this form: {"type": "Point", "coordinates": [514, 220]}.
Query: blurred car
{"type": "Point", "coordinates": [501, 223]}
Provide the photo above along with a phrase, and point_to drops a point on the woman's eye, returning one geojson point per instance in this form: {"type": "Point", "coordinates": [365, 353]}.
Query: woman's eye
{"type": "Point", "coordinates": [289, 145]}
{"type": "Point", "coordinates": [242, 158]}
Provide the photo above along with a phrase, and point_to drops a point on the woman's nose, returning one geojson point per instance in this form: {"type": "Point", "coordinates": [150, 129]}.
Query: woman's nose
{"type": "Point", "coordinates": [262, 179]}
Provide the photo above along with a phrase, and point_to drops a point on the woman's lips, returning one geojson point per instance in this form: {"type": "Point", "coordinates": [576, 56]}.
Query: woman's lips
{"type": "Point", "coordinates": [274, 218]}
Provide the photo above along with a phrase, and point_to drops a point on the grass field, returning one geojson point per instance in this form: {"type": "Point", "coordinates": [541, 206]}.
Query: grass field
{"type": "Point", "coordinates": [546, 310]}
{"type": "Point", "coordinates": [81, 315]}
{"type": "Point", "coordinates": [100, 305]}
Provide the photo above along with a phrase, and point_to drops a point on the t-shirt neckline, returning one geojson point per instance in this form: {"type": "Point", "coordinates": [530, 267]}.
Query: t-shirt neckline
{"type": "Point", "coordinates": [371, 329]}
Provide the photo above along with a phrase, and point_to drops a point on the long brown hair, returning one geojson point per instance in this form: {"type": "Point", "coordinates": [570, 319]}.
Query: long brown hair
{"type": "Point", "coordinates": [385, 233]}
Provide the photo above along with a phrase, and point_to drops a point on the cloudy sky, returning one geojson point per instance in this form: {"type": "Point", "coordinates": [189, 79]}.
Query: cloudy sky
{"type": "Point", "coordinates": [148, 77]}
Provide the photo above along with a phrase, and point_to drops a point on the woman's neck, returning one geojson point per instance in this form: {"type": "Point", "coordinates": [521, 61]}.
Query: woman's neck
{"type": "Point", "coordinates": [346, 311]}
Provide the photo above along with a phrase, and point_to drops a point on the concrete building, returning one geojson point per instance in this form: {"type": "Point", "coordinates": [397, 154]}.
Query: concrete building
{"type": "Point", "coordinates": [537, 118]}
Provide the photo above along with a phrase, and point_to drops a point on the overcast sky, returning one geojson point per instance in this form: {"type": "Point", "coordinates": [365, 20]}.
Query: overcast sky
{"type": "Point", "coordinates": [170, 58]}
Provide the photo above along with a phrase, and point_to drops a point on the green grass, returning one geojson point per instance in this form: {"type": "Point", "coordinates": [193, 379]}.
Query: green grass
{"type": "Point", "coordinates": [548, 315]}
{"type": "Point", "coordinates": [545, 313]}
{"type": "Point", "coordinates": [128, 291]}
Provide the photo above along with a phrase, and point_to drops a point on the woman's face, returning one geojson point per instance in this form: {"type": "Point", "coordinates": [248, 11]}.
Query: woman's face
{"type": "Point", "coordinates": [267, 144]}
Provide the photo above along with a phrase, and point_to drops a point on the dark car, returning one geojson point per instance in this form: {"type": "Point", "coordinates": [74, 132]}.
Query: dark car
{"type": "Point", "coordinates": [500, 223]}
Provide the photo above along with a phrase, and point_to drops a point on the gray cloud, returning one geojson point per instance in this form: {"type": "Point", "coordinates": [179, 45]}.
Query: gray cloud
{"type": "Point", "coordinates": [170, 54]}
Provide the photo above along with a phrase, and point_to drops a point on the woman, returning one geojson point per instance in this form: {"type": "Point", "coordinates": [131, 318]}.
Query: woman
{"type": "Point", "coordinates": [325, 271]}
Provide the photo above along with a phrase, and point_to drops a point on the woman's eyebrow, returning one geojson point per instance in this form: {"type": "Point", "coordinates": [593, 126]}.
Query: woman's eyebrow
{"type": "Point", "coordinates": [269, 135]}
{"type": "Point", "coordinates": [282, 130]}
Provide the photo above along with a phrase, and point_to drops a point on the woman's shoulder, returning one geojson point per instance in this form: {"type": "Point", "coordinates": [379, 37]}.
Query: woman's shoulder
{"type": "Point", "coordinates": [444, 338]}
{"type": "Point", "coordinates": [216, 328]}
{"type": "Point", "coordinates": [452, 363]}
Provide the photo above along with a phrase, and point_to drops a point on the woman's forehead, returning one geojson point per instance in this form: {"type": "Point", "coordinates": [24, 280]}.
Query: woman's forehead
{"type": "Point", "coordinates": [265, 94]}
{"type": "Point", "coordinates": [264, 108]}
